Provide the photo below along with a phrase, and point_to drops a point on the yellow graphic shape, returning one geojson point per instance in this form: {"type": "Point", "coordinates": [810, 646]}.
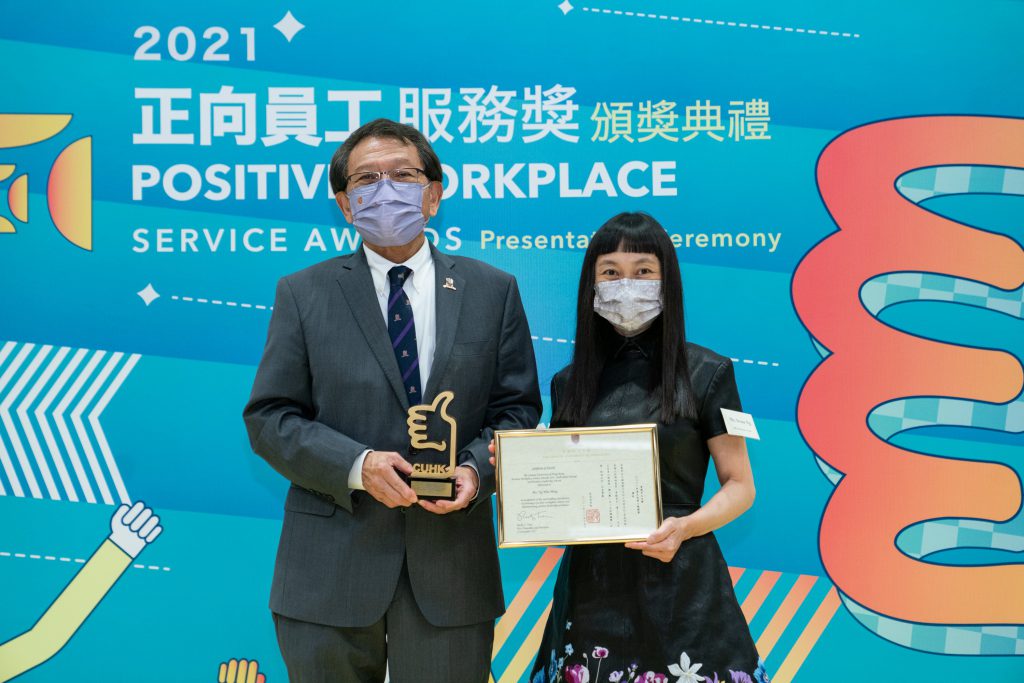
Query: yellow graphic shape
{"type": "Point", "coordinates": [240, 671]}
{"type": "Point", "coordinates": [758, 593]}
{"type": "Point", "coordinates": [815, 627]}
{"type": "Point", "coordinates": [69, 193]}
{"type": "Point", "coordinates": [18, 130]}
{"type": "Point", "coordinates": [513, 615]}
{"type": "Point", "coordinates": [55, 628]}
{"type": "Point", "coordinates": [17, 198]}
{"type": "Point", "coordinates": [527, 592]}
{"type": "Point", "coordinates": [131, 530]}
{"type": "Point", "coordinates": [5, 172]}
{"type": "Point", "coordinates": [784, 615]}
{"type": "Point", "coordinates": [521, 660]}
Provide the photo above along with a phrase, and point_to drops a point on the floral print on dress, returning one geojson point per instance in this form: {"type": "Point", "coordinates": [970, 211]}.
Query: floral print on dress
{"type": "Point", "coordinates": [760, 675]}
{"type": "Point", "coordinates": [577, 674]}
{"type": "Point", "coordinates": [687, 673]}
{"type": "Point", "coordinates": [589, 670]}
{"type": "Point", "coordinates": [651, 677]}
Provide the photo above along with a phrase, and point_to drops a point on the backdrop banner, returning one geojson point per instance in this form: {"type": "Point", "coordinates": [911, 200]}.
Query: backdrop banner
{"type": "Point", "coordinates": [844, 183]}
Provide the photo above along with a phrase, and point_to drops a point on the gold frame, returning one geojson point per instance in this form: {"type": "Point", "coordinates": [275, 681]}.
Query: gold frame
{"type": "Point", "coordinates": [652, 429]}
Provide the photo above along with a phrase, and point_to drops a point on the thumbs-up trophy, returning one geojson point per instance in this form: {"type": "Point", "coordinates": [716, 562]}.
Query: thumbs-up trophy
{"type": "Point", "coordinates": [433, 476]}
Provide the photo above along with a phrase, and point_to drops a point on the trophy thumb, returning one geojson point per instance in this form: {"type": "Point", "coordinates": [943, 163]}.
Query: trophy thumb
{"type": "Point", "coordinates": [442, 402]}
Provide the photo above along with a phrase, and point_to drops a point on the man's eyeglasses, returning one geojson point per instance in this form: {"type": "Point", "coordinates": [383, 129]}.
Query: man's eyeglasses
{"type": "Point", "coordinates": [398, 175]}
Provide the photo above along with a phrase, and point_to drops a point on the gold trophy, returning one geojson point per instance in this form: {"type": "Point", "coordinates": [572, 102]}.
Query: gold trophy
{"type": "Point", "coordinates": [433, 476]}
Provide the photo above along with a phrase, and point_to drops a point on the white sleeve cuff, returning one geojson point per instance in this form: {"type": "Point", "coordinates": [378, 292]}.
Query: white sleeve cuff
{"type": "Point", "coordinates": [355, 475]}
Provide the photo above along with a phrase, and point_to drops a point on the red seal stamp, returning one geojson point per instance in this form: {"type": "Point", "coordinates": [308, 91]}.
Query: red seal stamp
{"type": "Point", "coordinates": [593, 516]}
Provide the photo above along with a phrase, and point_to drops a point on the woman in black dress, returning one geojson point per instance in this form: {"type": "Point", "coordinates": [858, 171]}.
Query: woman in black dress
{"type": "Point", "coordinates": [662, 609]}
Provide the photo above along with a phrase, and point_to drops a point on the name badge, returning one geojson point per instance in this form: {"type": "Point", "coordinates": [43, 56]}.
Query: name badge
{"type": "Point", "coordinates": [740, 424]}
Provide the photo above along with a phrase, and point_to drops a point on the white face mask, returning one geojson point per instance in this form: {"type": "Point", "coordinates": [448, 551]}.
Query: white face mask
{"type": "Point", "coordinates": [629, 305]}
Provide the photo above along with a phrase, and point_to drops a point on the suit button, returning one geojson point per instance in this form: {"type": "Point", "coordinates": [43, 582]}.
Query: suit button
{"type": "Point", "coordinates": [330, 497]}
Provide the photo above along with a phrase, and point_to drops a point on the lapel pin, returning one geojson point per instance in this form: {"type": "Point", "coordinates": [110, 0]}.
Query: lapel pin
{"type": "Point", "coordinates": [449, 284]}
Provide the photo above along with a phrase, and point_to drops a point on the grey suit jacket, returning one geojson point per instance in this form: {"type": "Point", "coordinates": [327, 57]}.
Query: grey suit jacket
{"type": "Point", "coordinates": [328, 388]}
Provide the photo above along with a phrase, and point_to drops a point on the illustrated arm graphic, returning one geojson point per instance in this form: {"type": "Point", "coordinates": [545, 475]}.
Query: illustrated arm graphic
{"type": "Point", "coordinates": [131, 530]}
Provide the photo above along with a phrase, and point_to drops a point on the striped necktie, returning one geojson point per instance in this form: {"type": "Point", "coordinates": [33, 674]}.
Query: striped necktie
{"type": "Point", "coordinates": [402, 330]}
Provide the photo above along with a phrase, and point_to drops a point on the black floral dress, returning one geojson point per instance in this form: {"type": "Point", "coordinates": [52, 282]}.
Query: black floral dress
{"type": "Point", "coordinates": [620, 616]}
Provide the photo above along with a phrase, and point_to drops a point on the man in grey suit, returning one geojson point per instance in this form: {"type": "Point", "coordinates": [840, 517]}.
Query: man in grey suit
{"type": "Point", "coordinates": [367, 575]}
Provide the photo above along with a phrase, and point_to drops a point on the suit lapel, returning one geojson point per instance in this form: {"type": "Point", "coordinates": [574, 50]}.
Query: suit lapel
{"type": "Point", "coordinates": [357, 286]}
{"type": "Point", "coordinates": [449, 288]}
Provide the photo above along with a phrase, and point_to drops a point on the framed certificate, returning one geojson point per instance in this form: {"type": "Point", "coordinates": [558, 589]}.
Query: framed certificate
{"type": "Point", "coordinates": [576, 486]}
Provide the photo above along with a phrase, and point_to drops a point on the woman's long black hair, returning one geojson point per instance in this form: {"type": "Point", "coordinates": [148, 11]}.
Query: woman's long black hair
{"type": "Point", "coordinates": [596, 339]}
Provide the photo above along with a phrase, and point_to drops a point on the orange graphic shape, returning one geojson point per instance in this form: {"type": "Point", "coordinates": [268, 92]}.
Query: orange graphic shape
{"type": "Point", "coordinates": [17, 198]}
{"type": "Point", "coordinates": [527, 592]}
{"type": "Point", "coordinates": [69, 193]}
{"type": "Point", "coordinates": [885, 488]}
{"type": "Point", "coordinates": [784, 615]}
{"type": "Point", "coordinates": [810, 635]}
{"type": "Point", "coordinates": [735, 573]}
{"type": "Point", "coordinates": [524, 656]}
{"type": "Point", "coordinates": [18, 130]}
{"type": "Point", "coordinates": [756, 597]}
{"type": "Point", "coordinates": [6, 170]}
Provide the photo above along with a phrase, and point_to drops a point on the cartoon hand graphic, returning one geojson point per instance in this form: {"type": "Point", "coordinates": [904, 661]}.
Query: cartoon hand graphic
{"type": "Point", "coordinates": [132, 529]}
{"type": "Point", "coordinates": [417, 422]}
{"type": "Point", "coordinates": [240, 671]}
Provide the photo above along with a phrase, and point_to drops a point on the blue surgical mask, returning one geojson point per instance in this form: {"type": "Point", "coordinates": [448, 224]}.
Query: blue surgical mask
{"type": "Point", "coordinates": [388, 214]}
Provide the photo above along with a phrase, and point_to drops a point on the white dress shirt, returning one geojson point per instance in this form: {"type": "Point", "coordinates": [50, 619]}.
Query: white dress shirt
{"type": "Point", "coordinates": [421, 290]}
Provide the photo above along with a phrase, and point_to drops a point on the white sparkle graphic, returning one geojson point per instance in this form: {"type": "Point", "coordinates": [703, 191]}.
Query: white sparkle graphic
{"type": "Point", "coordinates": [148, 294]}
{"type": "Point", "coordinates": [289, 26]}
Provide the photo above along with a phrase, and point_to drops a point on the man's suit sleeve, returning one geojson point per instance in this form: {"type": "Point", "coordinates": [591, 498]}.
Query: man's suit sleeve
{"type": "Point", "coordinates": [515, 396]}
{"type": "Point", "coordinates": [279, 415]}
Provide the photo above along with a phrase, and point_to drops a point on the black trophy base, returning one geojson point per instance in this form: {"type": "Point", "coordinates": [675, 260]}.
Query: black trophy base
{"type": "Point", "coordinates": [432, 489]}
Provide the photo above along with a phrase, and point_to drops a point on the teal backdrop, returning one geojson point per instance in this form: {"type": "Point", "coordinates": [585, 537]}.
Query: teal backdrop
{"type": "Point", "coordinates": [845, 186]}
